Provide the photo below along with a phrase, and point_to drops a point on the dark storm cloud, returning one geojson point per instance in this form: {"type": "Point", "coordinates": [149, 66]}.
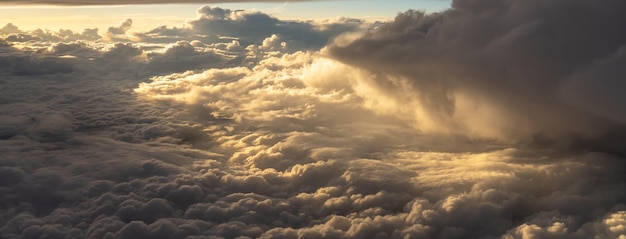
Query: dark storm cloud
{"type": "Point", "coordinates": [533, 70]}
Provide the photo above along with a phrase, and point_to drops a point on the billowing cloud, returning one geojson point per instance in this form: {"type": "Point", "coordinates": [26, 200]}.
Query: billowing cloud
{"type": "Point", "coordinates": [253, 27]}
{"type": "Point", "coordinates": [529, 71]}
{"type": "Point", "coordinates": [182, 56]}
{"type": "Point", "coordinates": [174, 134]}
{"type": "Point", "coordinates": [13, 33]}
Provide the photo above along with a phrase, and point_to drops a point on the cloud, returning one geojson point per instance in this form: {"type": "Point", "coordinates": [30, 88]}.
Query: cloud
{"type": "Point", "coordinates": [41, 66]}
{"type": "Point", "coordinates": [117, 34]}
{"type": "Point", "coordinates": [77, 48]}
{"type": "Point", "coordinates": [179, 135]}
{"type": "Point", "coordinates": [395, 194]}
{"type": "Point", "coordinates": [122, 52]}
{"type": "Point", "coordinates": [181, 56]}
{"type": "Point", "coordinates": [122, 28]}
{"type": "Point", "coordinates": [14, 34]}
{"type": "Point", "coordinates": [581, 88]}
{"type": "Point", "coordinates": [252, 27]}
{"type": "Point", "coordinates": [511, 70]}
{"type": "Point", "coordinates": [10, 28]}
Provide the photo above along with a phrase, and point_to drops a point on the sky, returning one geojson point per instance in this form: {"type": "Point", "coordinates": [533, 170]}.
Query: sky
{"type": "Point", "coordinates": [313, 119]}
{"type": "Point", "coordinates": [147, 16]}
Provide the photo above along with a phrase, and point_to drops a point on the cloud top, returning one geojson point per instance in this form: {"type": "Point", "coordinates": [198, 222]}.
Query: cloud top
{"type": "Point", "coordinates": [533, 71]}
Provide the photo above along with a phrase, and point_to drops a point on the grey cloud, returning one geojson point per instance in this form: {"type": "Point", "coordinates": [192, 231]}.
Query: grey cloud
{"type": "Point", "coordinates": [12, 33]}
{"type": "Point", "coordinates": [90, 34]}
{"type": "Point", "coordinates": [122, 52]}
{"type": "Point", "coordinates": [395, 195]}
{"type": "Point", "coordinates": [164, 31]}
{"type": "Point", "coordinates": [584, 89]}
{"type": "Point", "coordinates": [10, 28]}
{"type": "Point", "coordinates": [21, 37]}
{"type": "Point", "coordinates": [159, 53]}
{"type": "Point", "coordinates": [124, 26]}
{"type": "Point", "coordinates": [4, 44]}
{"type": "Point", "coordinates": [76, 49]}
{"type": "Point", "coordinates": [253, 27]}
{"type": "Point", "coordinates": [521, 63]}
{"type": "Point", "coordinates": [96, 186]}
{"type": "Point", "coordinates": [181, 56]}
{"type": "Point", "coordinates": [41, 66]}
{"type": "Point", "coordinates": [165, 35]}
{"type": "Point", "coordinates": [65, 35]}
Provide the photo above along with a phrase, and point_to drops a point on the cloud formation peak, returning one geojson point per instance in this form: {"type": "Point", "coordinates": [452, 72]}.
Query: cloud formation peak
{"type": "Point", "coordinates": [511, 70]}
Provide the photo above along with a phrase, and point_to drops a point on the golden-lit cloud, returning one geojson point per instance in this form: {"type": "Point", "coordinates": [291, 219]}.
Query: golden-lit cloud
{"type": "Point", "coordinates": [424, 127]}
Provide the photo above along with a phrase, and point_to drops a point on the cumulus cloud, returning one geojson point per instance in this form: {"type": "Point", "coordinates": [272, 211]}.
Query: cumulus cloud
{"type": "Point", "coordinates": [10, 28]}
{"type": "Point", "coordinates": [180, 135]}
{"type": "Point", "coordinates": [14, 34]}
{"type": "Point", "coordinates": [182, 56]}
{"type": "Point", "coordinates": [124, 26]}
{"type": "Point", "coordinates": [253, 27]}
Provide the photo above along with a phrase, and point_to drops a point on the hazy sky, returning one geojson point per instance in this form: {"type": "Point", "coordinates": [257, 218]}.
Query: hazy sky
{"type": "Point", "coordinates": [444, 120]}
{"type": "Point", "coordinates": [149, 16]}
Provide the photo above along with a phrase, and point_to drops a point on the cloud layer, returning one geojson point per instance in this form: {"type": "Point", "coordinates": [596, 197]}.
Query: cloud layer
{"type": "Point", "coordinates": [219, 131]}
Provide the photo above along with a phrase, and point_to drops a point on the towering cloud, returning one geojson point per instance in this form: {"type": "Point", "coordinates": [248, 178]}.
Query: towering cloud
{"type": "Point", "coordinates": [511, 70]}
